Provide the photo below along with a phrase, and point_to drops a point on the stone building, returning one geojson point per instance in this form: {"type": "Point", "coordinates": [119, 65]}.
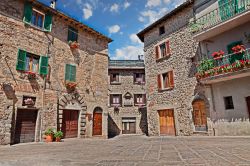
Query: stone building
{"type": "Point", "coordinates": [54, 74]}
{"type": "Point", "coordinates": [197, 69]}
{"type": "Point", "coordinates": [127, 98]}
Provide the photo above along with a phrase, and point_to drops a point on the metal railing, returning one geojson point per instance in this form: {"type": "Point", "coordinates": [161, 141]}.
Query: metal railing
{"type": "Point", "coordinates": [224, 12]}
{"type": "Point", "coordinates": [126, 63]}
{"type": "Point", "coordinates": [227, 63]}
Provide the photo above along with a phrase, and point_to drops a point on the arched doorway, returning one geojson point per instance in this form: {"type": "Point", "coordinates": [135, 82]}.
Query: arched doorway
{"type": "Point", "coordinates": [97, 121]}
{"type": "Point", "coordinates": [199, 115]}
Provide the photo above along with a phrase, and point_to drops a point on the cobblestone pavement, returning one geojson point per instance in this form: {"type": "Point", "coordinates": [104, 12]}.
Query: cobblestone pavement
{"type": "Point", "coordinates": [131, 151]}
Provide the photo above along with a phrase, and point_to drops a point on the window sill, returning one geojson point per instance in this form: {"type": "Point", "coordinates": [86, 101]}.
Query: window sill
{"type": "Point", "coordinates": [115, 83]}
{"type": "Point", "coordinates": [139, 83]}
{"type": "Point", "coordinates": [112, 105]}
{"type": "Point", "coordinates": [36, 27]}
{"type": "Point", "coordinates": [166, 89]}
{"type": "Point", "coordinates": [142, 105]}
{"type": "Point", "coordinates": [163, 58]}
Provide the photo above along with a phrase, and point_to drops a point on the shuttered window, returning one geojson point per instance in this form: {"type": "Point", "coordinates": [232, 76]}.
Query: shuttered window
{"type": "Point", "coordinates": [139, 99]}
{"type": "Point", "coordinates": [70, 73]}
{"type": "Point", "coordinates": [21, 60]}
{"type": "Point", "coordinates": [163, 50]}
{"type": "Point", "coordinates": [165, 80]}
{"type": "Point", "coordinates": [72, 34]}
{"type": "Point", "coordinates": [37, 18]}
{"type": "Point", "coordinates": [44, 62]}
{"type": "Point", "coordinates": [115, 99]}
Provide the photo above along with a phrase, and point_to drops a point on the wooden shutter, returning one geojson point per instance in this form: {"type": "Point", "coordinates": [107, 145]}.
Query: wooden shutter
{"type": "Point", "coordinates": [27, 13]}
{"type": "Point", "coordinates": [48, 22]}
{"type": "Point", "coordinates": [21, 60]}
{"type": "Point", "coordinates": [159, 82]}
{"type": "Point", "coordinates": [157, 52]}
{"type": "Point", "coordinates": [168, 51]}
{"type": "Point", "coordinates": [67, 72]}
{"type": "Point", "coordinates": [120, 100]}
{"type": "Point", "coordinates": [73, 73]}
{"type": "Point", "coordinates": [111, 99]}
{"type": "Point", "coordinates": [44, 62]}
{"type": "Point", "coordinates": [171, 78]}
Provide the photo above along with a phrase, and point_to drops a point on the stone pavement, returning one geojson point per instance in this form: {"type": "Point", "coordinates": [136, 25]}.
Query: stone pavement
{"type": "Point", "coordinates": [131, 151]}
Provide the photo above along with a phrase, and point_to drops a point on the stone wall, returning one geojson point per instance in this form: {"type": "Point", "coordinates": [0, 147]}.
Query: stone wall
{"type": "Point", "coordinates": [91, 61]}
{"type": "Point", "coordinates": [183, 48]}
{"type": "Point", "coordinates": [126, 78]}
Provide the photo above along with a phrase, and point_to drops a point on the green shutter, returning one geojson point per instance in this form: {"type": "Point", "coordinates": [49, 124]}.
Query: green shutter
{"type": "Point", "coordinates": [27, 12]}
{"type": "Point", "coordinates": [227, 8]}
{"type": "Point", "coordinates": [48, 22]}
{"type": "Point", "coordinates": [44, 62]}
{"type": "Point", "coordinates": [240, 5]}
{"type": "Point", "coordinates": [73, 73]}
{"type": "Point", "coordinates": [67, 72]}
{"type": "Point", "coordinates": [21, 60]}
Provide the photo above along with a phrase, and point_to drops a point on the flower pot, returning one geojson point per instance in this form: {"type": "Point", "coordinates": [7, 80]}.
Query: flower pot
{"type": "Point", "coordinates": [49, 138]}
{"type": "Point", "coordinates": [58, 139]}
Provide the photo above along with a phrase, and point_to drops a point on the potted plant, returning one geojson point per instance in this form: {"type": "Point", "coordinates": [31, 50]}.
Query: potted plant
{"type": "Point", "coordinates": [49, 133]}
{"type": "Point", "coordinates": [238, 49]}
{"type": "Point", "coordinates": [218, 55]}
{"type": "Point", "coordinates": [70, 85]}
{"type": "Point", "coordinates": [58, 135]}
{"type": "Point", "coordinates": [74, 44]}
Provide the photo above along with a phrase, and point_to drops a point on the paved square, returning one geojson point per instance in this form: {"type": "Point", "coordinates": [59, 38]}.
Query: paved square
{"type": "Point", "coordinates": [131, 151]}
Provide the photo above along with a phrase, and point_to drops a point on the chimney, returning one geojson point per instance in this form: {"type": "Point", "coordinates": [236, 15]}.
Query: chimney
{"type": "Point", "coordinates": [53, 4]}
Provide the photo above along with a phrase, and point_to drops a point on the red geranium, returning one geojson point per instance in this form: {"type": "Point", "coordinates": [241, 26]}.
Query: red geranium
{"type": "Point", "coordinates": [219, 54]}
{"type": "Point", "coordinates": [238, 49]}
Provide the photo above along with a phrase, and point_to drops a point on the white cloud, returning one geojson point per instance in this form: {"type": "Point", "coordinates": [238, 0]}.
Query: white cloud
{"type": "Point", "coordinates": [126, 5]}
{"type": "Point", "coordinates": [87, 11]}
{"type": "Point", "coordinates": [114, 8]}
{"type": "Point", "coordinates": [153, 3]}
{"type": "Point", "coordinates": [152, 15]}
{"type": "Point", "coordinates": [134, 38]}
{"type": "Point", "coordinates": [114, 29]}
{"type": "Point", "coordinates": [166, 1]}
{"type": "Point", "coordinates": [128, 53]}
{"type": "Point", "coordinates": [141, 19]}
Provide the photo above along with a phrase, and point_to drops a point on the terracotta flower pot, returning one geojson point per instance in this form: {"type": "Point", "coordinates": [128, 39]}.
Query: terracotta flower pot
{"type": "Point", "coordinates": [49, 138]}
{"type": "Point", "coordinates": [58, 139]}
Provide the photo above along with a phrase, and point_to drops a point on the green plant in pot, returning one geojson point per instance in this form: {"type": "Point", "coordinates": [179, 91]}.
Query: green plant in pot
{"type": "Point", "coordinates": [58, 135]}
{"type": "Point", "coordinates": [49, 133]}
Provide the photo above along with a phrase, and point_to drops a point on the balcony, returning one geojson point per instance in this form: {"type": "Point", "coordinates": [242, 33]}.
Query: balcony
{"type": "Point", "coordinates": [224, 17]}
{"type": "Point", "coordinates": [224, 67]}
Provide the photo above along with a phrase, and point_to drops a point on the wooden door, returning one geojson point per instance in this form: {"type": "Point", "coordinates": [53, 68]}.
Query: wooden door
{"type": "Point", "coordinates": [25, 126]}
{"type": "Point", "coordinates": [248, 104]}
{"type": "Point", "coordinates": [70, 123]}
{"type": "Point", "coordinates": [199, 115]}
{"type": "Point", "coordinates": [97, 124]}
{"type": "Point", "coordinates": [128, 126]}
{"type": "Point", "coordinates": [167, 126]}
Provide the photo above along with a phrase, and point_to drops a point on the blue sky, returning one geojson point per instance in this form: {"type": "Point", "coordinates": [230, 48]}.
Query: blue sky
{"type": "Point", "coordinates": [120, 20]}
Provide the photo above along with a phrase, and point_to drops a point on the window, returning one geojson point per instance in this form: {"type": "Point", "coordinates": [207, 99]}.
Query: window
{"type": "Point", "coordinates": [114, 78]}
{"type": "Point", "coordinates": [115, 100]}
{"type": "Point", "coordinates": [140, 99]}
{"type": "Point", "coordinates": [72, 34]}
{"type": "Point", "coordinates": [70, 73]}
{"type": "Point", "coordinates": [161, 30]}
{"type": "Point", "coordinates": [166, 80]}
{"type": "Point", "coordinates": [37, 18]}
{"type": "Point", "coordinates": [228, 102]}
{"type": "Point", "coordinates": [163, 50]}
{"type": "Point", "coordinates": [139, 78]}
{"type": "Point", "coordinates": [28, 62]}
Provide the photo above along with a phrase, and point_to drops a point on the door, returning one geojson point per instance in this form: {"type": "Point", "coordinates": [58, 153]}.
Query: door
{"type": "Point", "coordinates": [70, 123]}
{"type": "Point", "coordinates": [97, 124]}
{"type": "Point", "coordinates": [128, 125]}
{"type": "Point", "coordinates": [199, 115]}
{"type": "Point", "coordinates": [25, 126]}
{"type": "Point", "coordinates": [167, 126]}
{"type": "Point", "coordinates": [248, 105]}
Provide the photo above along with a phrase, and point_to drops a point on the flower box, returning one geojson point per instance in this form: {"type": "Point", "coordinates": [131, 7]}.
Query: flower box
{"type": "Point", "coordinates": [71, 85]}
{"type": "Point", "coordinates": [74, 44]}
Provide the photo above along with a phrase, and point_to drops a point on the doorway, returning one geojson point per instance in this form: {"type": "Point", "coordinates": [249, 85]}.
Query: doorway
{"type": "Point", "coordinates": [128, 125]}
{"type": "Point", "coordinates": [199, 115]}
{"type": "Point", "coordinates": [166, 118]}
{"type": "Point", "coordinates": [70, 123]}
{"type": "Point", "coordinates": [97, 122]}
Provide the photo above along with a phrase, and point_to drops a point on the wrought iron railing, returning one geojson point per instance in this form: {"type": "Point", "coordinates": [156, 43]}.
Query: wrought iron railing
{"type": "Point", "coordinates": [224, 64]}
{"type": "Point", "coordinates": [223, 12]}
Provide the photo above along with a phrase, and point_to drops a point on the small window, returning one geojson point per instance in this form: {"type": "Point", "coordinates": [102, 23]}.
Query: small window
{"type": "Point", "coordinates": [163, 50]}
{"type": "Point", "coordinates": [115, 100]}
{"type": "Point", "coordinates": [166, 80]}
{"type": "Point", "coordinates": [139, 78]}
{"type": "Point", "coordinates": [72, 34]}
{"type": "Point", "coordinates": [161, 30]}
{"type": "Point", "coordinates": [32, 63]}
{"type": "Point", "coordinates": [140, 99]}
{"type": "Point", "coordinates": [114, 78]}
{"type": "Point", "coordinates": [37, 18]}
{"type": "Point", "coordinates": [228, 102]}
{"type": "Point", "coordinates": [70, 73]}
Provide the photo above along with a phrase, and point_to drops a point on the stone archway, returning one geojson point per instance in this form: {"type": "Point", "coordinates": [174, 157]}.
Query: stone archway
{"type": "Point", "coordinates": [73, 101]}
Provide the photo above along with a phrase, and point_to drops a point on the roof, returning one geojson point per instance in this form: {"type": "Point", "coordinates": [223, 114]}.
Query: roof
{"type": "Point", "coordinates": [126, 64]}
{"type": "Point", "coordinates": [84, 26]}
{"type": "Point", "coordinates": [164, 18]}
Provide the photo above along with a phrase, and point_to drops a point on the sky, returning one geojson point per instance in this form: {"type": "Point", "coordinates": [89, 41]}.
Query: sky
{"type": "Point", "coordinates": [120, 20]}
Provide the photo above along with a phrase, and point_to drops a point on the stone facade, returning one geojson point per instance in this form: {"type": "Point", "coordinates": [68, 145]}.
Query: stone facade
{"type": "Point", "coordinates": [127, 88]}
{"type": "Point", "coordinates": [183, 49]}
{"type": "Point", "coordinates": [91, 61]}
